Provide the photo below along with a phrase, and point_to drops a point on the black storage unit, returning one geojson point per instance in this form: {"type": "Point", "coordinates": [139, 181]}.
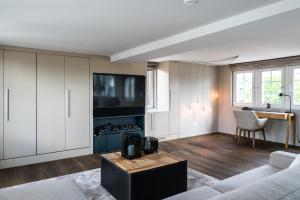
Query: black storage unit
{"type": "Point", "coordinates": [111, 141]}
{"type": "Point", "coordinates": [118, 102]}
{"type": "Point", "coordinates": [149, 184]}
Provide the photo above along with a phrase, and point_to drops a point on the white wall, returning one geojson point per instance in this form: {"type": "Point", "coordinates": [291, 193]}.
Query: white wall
{"type": "Point", "coordinates": [275, 130]}
{"type": "Point", "coordinates": [226, 122]}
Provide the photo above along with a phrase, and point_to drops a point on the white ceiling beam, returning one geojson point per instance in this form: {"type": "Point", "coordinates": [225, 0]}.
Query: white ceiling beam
{"type": "Point", "coordinates": [231, 22]}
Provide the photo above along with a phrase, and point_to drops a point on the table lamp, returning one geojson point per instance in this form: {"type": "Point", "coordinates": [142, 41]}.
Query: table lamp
{"type": "Point", "coordinates": [286, 95]}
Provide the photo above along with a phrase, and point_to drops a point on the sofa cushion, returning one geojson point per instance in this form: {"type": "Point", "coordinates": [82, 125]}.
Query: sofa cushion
{"type": "Point", "coordinates": [282, 185]}
{"type": "Point", "coordinates": [245, 178]}
{"type": "Point", "coordinates": [282, 159]}
{"type": "Point", "coordinates": [292, 195]}
{"type": "Point", "coordinates": [296, 161]}
{"type": "Point", "coordinates": [196, 194]}
{"type": "Point", "coordinates": [65, 189]}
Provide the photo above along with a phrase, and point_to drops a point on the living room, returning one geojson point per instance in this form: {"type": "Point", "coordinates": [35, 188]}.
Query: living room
{"type": "Point", "coordinates": [174, 99]}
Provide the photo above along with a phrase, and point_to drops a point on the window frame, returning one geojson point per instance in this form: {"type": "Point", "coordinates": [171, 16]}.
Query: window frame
{"type": "Point", "coordinates": [154, 86]}
{"type": "Point", "coordinates": [234, 74]}
{"type": "Point", "coordinates": [292, 86]}
{"type": "Point", "coordinates": [259, 83]}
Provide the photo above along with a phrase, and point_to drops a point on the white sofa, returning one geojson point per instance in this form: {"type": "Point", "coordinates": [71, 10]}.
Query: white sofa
{"type": "Point", "coordinates": [276, 181]}
{"type": "Point", "coordinates": [64, 189]}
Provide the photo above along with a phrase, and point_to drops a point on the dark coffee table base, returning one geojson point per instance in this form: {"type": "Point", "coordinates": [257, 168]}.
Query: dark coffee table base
{"type": "Point", "coordinates": [152, 184]}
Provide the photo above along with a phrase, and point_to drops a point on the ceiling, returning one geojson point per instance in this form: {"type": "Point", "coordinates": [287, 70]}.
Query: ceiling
{"type": "Point", "coordinates": [274, 37]}
{"type": "Point", "coordinates": [123, 27]}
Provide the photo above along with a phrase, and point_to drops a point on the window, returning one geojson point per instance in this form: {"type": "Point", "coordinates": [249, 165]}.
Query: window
{"type": "Point", "coordinates": [271, 86]}
{"type": "Point", "coordinates": [296, 86]}
{"type": "Point", "coordinates": [151, 88]}
{"type": "Point", "coordinates": [243, 88]}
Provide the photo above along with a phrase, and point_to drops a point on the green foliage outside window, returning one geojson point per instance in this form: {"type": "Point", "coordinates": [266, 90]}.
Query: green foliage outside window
{"type": "Point", "coordinates": [271, 87]}
{"type": "Point", "coordinates": [297, 86]}
{"type": "Point", "coordinates": [244, 87]}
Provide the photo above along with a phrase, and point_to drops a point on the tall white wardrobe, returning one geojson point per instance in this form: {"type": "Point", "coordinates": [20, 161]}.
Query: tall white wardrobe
{"type": "Point", "coordinates": [19, 104]}
{"type": "Point", "coordinates": [193, 109]}
{"type": "Point", "coordinates": [45, 103]}
{"type": "Point", "coordinates": [197, 99]}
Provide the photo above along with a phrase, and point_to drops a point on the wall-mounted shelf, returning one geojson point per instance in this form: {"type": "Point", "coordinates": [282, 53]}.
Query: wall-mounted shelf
{"type": "Point", "coordinates": [122, 116]}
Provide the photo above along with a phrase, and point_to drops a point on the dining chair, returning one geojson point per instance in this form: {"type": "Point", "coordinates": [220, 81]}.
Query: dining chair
{"type": "Point", "coordinates": [247, 121]}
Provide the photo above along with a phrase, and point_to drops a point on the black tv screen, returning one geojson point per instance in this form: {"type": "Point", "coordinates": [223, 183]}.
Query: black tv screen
{"type": "Point", "coordinates": [118, 91]}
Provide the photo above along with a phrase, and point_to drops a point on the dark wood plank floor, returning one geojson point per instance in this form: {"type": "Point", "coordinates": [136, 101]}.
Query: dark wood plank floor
{"type": "Point", "coordinates": [217, 155]}
{"type": "Point", "coordinates": [35, 172]}
{"type": "Point", "coordinates": [213, 154]}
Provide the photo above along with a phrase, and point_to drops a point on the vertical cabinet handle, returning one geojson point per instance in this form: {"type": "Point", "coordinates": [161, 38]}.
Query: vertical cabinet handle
{"type": "Point", "coordinates": [152, 119]}
{"type": "Point", "coordinates": [151, 122]}
{"type": "Point", "coordinates": [68, 112]}
{"type": "Point", "coordinates": [7, 103]}
{"type": "Point", "coordinates": [170, 100]}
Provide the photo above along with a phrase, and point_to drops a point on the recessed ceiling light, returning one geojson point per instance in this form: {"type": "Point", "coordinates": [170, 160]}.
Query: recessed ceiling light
{"type": "Point", "coordinates": [189, 2]}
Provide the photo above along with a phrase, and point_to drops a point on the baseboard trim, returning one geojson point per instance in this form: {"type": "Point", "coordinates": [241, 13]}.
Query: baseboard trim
{"type": "Point", "coordinates": [168, 137]}
{"type": "Point", "coordinates": [197, 134]}
{"type": "Point", "coordinates": [272, 141]}
{"type": "Point", "coordinates": [16, 162]}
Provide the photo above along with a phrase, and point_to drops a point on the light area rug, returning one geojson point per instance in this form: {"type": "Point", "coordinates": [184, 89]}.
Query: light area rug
{"type": "Point", "coordinates": [89, 182]}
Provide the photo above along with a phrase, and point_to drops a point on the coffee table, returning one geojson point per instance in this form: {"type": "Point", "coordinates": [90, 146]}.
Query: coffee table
{"type": "Point", "coordinates": [153, 176]}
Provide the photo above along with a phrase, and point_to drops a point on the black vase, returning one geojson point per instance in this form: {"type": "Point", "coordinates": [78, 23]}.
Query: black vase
{"type": "Point", "coordinates": [131, 145]}
{"type": "Point", "coordinates": [150, 145]}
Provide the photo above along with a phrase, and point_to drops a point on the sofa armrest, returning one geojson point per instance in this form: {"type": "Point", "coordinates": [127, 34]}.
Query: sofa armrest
{"type": "Point", "coordinates": [282, 159]}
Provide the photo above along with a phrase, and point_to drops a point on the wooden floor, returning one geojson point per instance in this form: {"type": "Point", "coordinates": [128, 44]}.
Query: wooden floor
{"type": "Point", "coordinates": [213, 154]}
{"type": "Point", "coordinates": [217, 155]}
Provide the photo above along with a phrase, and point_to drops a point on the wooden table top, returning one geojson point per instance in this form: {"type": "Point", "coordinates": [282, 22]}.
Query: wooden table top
{"type": "Point", "coordinates": [145, 162]}
{"type": "Point", "coordinates": [274, 115]}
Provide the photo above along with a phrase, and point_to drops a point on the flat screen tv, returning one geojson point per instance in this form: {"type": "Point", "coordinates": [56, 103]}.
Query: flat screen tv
{"type": "Point", "coordinates": [116, 94]}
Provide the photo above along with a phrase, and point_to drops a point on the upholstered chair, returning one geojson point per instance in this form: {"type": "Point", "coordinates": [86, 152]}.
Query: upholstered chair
{"type": "Point", "coordinates": [247, 121]}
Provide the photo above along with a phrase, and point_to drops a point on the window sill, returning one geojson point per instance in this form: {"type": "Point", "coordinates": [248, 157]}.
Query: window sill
{"type": "Point", "coordinates": [156, 111]}
{"type": "Point", "coordinates": [265, 109]}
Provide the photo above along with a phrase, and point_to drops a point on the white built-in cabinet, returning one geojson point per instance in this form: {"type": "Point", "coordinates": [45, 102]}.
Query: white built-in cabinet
{"type": "Point", "coordinates": [198, 100]}
{"type": "Point", "coordinates": [19, 104]}
{"type": "Point", "coordinates": [186, 106]}
{"type": "Point", "coordinates": [45, 103]}
{"type": "Point", "coordinates": [77, 102]}
{"type": "Point", "coordinates": [174, 111]}
{"type": "Point", "coordinates": [50, 103]}
{"type": "Point", "coordinates": [211, 98]}
{"type": "Point", "coordinates": [150, 124]}
{"type": "Point", "coordinates": [192, 102]}
{"type": "Point", "coordinates": [162, 90]}
{"type": "Point", "coordinates": [158, 125]}
{"type": "Point", "coordinates": [1, 105]}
